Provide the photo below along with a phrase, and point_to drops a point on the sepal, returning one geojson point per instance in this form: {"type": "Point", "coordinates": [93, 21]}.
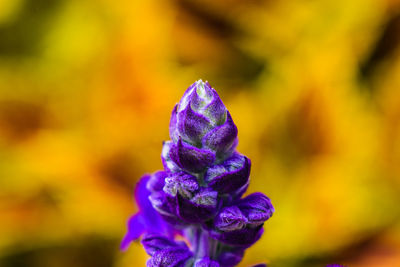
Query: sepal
{"type": "Point", "coordinates": [230, 176]}
{"type": "Point", "coordinates": [198, 209]}
{"type": "Point", "coordinates": [191, 158]}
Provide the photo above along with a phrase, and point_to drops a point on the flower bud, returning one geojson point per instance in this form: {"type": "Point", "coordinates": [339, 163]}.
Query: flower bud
{"type": "Point", "coordinates": [257, 208]}
{"type": "Point", "coordinates": [201, 120]}
{"type": "Point", "coordinates": [230, 219]}
{"type": "Point", "coordinates": [182, 183]}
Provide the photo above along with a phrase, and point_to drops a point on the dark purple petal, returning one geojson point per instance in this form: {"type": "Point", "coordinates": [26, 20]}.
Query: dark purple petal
{"type": "Point", "coordinates": [231, 258]}
{"type": "Point", "coordinates": [191, 158]}
{"type": "Point", "coordinates": [191, 125]}
{"type": "Point", "coordinates": [156, 181]}
{"type": "Point", "coordinates": [256, 207]}
{"type": "Point", "coordinates": [206, 262]}
{"type": "Point", "coordinates": [230, 219]}
{"type": "Point", "coordinates": [182, 183]}
{"type": "Point", "coordinates": [153, 243]}
{"type": "Point", "coordinates": [238, 194]}
{"type": "Point", "coordinates": [173, 124]}
{"type": "Point", "coordinates": [260, 265]}
{"type": "Point", "coordinates": [198, 209]}
{"type": "Point", "coordinates": [244, 237]}
{"type": "Point", "coordinates": [235, 177]}
{"type": "Point", "coordinates": [170, 257]}
{"type": "Point", "coordinates": [222, 138]}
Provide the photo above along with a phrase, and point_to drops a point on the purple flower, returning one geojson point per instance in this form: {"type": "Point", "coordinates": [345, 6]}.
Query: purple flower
{"type": "Point", "coordinates": [198, 195]}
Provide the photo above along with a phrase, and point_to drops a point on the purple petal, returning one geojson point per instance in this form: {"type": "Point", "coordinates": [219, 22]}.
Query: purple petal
{"type": "Point", "coordinates": [230, 219]}
{"type": "Point", "coordinates": [150, 217]}
{"type": "Point", "coordinates": [136, 228]}
{"type": "Point", "coordinates": [142, 193]}
{"type": "Point", "coordinates": [256, 207]}
{"type": "Point", "coordinates": [147, 219]}
{"type": "Point", "coordinates": [156, 181]}
{"type": "Point", "coordinates": [154, 243]}
{"type": "Point", "coordinates": [192, 125]}
{"type": "Point", "coordinates": [244, 237]}
{"type": "Point", "coordinates": [200, 208]}
{"type": "Point", "coordinates": [235, 177]}
{"type": "Point", "coordinates": [222, 138]}
{"type": "Point", "coordinates": [170, 257]}
{"type": "Point", "coordinates": [182, 183]}
{"type": "Point", "coordinates": [206, 262]}
{"type": "Point", "coordinates": [191, 158]}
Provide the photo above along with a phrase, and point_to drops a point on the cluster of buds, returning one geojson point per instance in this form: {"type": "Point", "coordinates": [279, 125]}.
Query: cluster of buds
{"type": "Point", "coordinates": [198, 195]}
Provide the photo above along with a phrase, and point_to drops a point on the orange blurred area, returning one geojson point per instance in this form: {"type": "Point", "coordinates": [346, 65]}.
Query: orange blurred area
{"type": "Point", "coordinates": [87, 88]}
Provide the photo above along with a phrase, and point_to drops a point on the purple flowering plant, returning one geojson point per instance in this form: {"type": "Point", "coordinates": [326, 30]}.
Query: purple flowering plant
{"type": "Point", "coordinates": [192, 213]}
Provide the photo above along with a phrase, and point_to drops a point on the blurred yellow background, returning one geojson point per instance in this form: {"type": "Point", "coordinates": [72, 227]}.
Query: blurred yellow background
{"type": "Point", "coordinates": [87, 88]}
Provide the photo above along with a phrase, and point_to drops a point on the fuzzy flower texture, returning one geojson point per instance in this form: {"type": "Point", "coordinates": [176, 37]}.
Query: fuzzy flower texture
{"type": "Point", "coordinates": [192, 213]}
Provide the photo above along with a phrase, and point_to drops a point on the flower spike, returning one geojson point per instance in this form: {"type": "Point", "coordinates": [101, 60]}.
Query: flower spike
{"type": "Point", "coordinates": [198, 194]}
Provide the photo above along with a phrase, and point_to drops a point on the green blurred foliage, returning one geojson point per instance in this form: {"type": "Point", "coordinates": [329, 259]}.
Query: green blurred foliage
{"type": "Point", "coordinates": [86, 91]}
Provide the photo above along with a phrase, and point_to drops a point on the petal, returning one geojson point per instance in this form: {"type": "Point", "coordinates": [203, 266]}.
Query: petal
{"type": "Point", "coordinates": [191, 158]}
{"type": "Point", "coordinates": [136, 228]}
{"type": "Point", "coordinates": [150, 217]}
{"type": "Point", "coordinates": [222, 138]}
{"type": "Point", "coordinates": [229, 181]}
{"type": "Point", "coordinates": [142, 193]}
{"type": "Point", "coordinates": [153, 243]}
{"type": "Point", "coordinates": [156, 181]}
{"type": "Point", "coordinates": [256, 207]}
{"type": "Point", "coordinates": [206, 262]}
{"type": "Point", "coordinates": [191, 125]}
{"type": "Point", "coordinates": [230, 219]}
{"type": "Point", "coordinates": [170, 257]}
